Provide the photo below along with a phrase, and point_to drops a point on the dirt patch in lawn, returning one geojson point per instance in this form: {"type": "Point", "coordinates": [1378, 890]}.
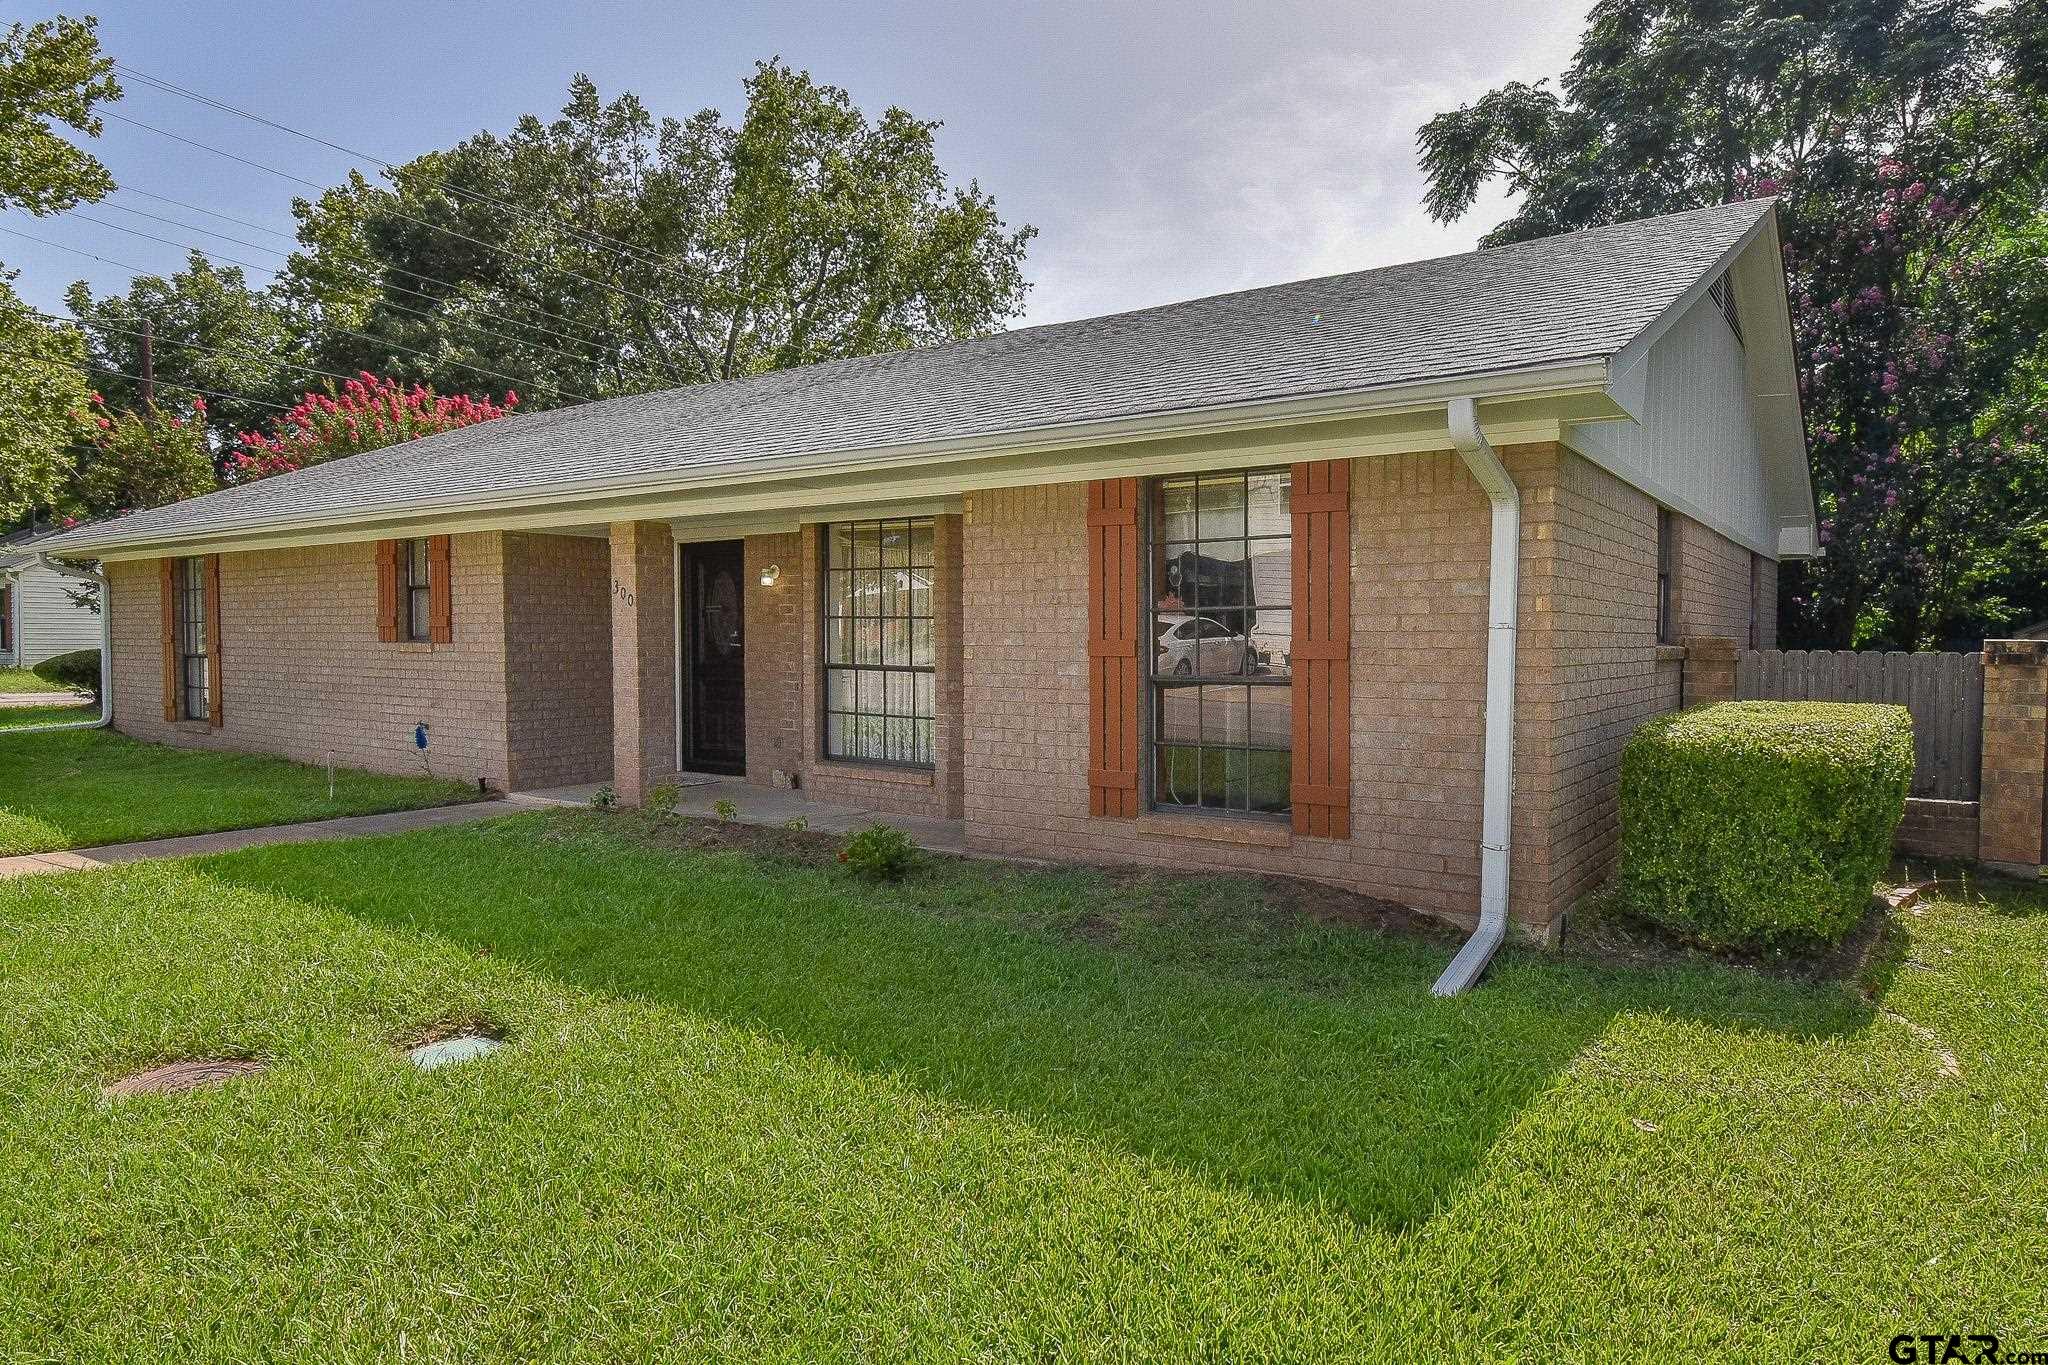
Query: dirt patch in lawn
{"type": "Point", "coordinates": [175, 1078]}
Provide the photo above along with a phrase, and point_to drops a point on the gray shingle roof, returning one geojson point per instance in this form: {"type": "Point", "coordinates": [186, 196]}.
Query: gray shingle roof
{"type": "Point", "coordinates": [1580, 296]}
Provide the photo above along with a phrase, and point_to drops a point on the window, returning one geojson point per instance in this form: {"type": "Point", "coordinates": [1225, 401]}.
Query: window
{"type": "Point", "coordinates": [878, 648]}
{"type": "Point", "coordinates": [1665, 532]}
{"type": "Point", "coordinates": [1220, 560]}
{"type": "Point", "coordinates": [418, 584]}
{"type": "Point", "coordinates": [6, 617]}
{"type": "Point", "coordinates": [193, 683]}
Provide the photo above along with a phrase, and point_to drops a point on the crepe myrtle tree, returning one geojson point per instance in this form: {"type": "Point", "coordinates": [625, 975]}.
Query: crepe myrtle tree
{"type": "Point", "coordinates": [1906, 142]}
{"type": "Point", "coordinates": [366, 413]}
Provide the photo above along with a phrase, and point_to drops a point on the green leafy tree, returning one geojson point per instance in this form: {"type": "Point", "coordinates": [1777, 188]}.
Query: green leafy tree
{"type": "Point", "coordinates": [1907, 140]}
{"type": "Point", "coordinates": [141, 459]}
{"type": "Point", "coordinates": [610, 252]}
{"type": "Point", "coordinates": [50, 73]}
{"type": "Point", "coordinates": [209, 330]}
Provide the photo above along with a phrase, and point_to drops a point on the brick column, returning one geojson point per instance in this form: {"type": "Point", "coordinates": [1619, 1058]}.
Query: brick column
{"type": "Point", "coordinates": [1709, 669]}
{"type": "Point", "coordinates": [643, 658]}
{"type": "Point", "coordinates": [2015, 768]}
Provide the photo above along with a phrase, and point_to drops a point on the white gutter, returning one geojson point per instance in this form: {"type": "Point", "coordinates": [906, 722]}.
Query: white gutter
{"type": "Point", "coordinates": [106, 653]}
{"type": "Point", "coordinates": [1503, 586]}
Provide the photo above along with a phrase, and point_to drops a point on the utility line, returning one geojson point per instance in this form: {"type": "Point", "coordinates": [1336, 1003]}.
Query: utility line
{"type": "Point", "coordinates": [82, 323]}
{"type": "Point", "coordinates": [343, 331]}
{"type": "Point", "coordinates": [394, 212]}
{"type": "Point", "coordinates": [108, 369]}
{"type": "Point", "coordinates": [590, 235]}
{"type": "Point", "coordinates": [363, 260]}
{"type": "Point", "coordinates": [536, 309]}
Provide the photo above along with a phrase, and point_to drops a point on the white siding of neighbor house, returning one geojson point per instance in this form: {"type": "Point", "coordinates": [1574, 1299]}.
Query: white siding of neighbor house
{"type": "Point", "coordinates": [1697, 449]}
{"type": "Point", "coordinates": [46, 622]}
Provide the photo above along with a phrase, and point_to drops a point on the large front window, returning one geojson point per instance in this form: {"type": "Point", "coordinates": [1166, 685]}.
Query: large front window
{"type": "Point", "coordinates": [192, 670]}
{"type": "Point", "coordinates": [878, 640]}
{"type": "Point", "coordinates": [1221, 573]}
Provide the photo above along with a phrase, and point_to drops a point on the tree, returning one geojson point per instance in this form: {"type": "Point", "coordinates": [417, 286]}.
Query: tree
{"type": "Point", "coordinates": [608, 252]}
{"type": "Point", "coordinates": [50, 72]}
{"type": "Point", "coordinates": [367, 413]}
{"type": "Point", "coordinates": [1907, 141]}
{"type": "Point", "coordinates": [209, 330]}
{"type": "Point", "coordinates": [142, 458]}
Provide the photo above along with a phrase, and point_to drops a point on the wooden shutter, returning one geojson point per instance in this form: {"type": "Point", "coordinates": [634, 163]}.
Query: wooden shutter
{"type": "Point", "coordinates": [1322, 649]}
{"type": "Point", "coordinates": [169, 582]}
{"type": "Point", "coordinates": [214, 712]}
{"type": "Point", "coordinates": [1113, 647]}
{"type": "Point", "coordinates": [440, 598]}
{"type": "Point", "coordinates": [387, 590]}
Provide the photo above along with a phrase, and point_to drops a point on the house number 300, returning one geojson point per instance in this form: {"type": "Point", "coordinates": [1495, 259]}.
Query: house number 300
{"type": "Point", "coordinates": [620, 591]}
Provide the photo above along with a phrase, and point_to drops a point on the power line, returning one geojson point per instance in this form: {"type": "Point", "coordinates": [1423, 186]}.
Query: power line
{"type": "Point", "coordinates": [108, 369]}
{"type": "Point", "coordinates": [82, 323]}
{"type": "Point", "coordinates": [343, 331]}
{"type": "Point", "coordinates": [590, 235]}
{"type": "Point", "coordinates": [360, 260]}
{"type": "Point", "coordinates": [394, 212]}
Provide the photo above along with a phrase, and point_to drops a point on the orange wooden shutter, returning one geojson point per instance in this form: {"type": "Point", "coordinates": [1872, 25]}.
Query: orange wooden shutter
{"type": "Point", "coordinates": [169, 580]}
{"type": "Point", "coordinates": [440, 598]}
{"type": "Point", "coordinates": [387, 590]}
{"type": "Point", "coordinates": [214, 713]}
{"type": "Point", "coordinates": [1322, 649]}
{"type": "Point", "coordinates": [1113, 647]}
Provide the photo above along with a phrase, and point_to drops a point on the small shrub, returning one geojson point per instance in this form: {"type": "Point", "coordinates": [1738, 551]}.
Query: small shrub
{"type": "Point", "coordinates": [796, 824]}
{"type": "Point", "coordinates": [1762, 824]}
{"type": "Point", "coordinates": [725, 810]}
{"type": "Point", "coordinates": [661, 800]}
{"type": "Point", "coordinates": [604, 798]}
{"type": "Point", "coordinates": [879, 853]}
{"type": "Point", "coordinates": [80, 670]}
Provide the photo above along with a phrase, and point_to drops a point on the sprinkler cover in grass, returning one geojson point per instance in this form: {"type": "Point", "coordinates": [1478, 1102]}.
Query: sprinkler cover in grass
{"type": "Point", "coordinates": [448, 1051]}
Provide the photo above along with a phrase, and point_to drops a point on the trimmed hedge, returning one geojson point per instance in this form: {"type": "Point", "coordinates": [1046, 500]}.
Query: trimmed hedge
{"type": "Point", "coordinates": [1762, 824]}
{"type": "Point", "coordinates": [79, 669]}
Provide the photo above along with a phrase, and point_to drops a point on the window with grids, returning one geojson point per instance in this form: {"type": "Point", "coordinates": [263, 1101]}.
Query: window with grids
{"type": "Point", "coordinates": [878, 648]}
{"type": "Point", "coordinates": [1220, 565]}
{"type": "Point", "coordinates": [419, 598]}
{"type": "Point", "coordinates": [195, 698]}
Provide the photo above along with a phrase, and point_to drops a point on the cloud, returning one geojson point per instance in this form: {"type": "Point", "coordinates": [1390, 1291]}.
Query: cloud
{"type": "Point", "coordinates": [1310, 171]}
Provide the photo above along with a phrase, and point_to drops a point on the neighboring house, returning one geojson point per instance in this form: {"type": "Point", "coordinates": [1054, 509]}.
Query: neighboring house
{"type": "Point", "coordinates": [38, 617]}
{"type": "Point", "coordinates": [936, 582]}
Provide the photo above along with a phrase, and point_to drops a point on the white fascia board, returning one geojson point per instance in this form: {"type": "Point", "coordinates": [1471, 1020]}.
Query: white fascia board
{"type": "Point", "coordinates": [796, 486]}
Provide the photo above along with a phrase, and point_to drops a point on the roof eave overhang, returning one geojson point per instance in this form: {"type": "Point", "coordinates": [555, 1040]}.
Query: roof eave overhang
{"type": "Point", "coordinates": [1571, 390]}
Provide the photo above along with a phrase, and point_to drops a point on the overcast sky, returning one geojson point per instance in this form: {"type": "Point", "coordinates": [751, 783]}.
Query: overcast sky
{"type": "Point", "coordinates": [1163, 150]}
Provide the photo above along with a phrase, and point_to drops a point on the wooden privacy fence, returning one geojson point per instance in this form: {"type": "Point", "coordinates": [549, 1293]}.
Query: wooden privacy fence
{"type": "Point", "coordinates": [1945, 693]}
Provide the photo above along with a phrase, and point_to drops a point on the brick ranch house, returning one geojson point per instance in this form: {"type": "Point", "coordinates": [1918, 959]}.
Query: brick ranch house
{"type": "Point", "coordinates": [1244, 582]}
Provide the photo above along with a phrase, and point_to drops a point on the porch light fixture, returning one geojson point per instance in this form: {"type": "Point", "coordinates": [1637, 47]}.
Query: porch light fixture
{"type": "Point", "coordinates": [770, 575]}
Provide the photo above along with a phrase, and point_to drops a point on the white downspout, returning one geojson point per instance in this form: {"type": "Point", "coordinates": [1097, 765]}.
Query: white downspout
{"type": "Point", "coordinates": [106, 653]}
{"type": "Point", "coordinates": [1503, 586]}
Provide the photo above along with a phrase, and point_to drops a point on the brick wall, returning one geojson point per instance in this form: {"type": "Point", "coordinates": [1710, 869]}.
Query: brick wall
{"type": "Point", "coordinates": [784, 682]}
{"type": "Point", "coordinates": [304, 675]}
{"type": "Point", "coordinates": [1711, 587]}
{"type": "Point", "coordinates": [558, 677]}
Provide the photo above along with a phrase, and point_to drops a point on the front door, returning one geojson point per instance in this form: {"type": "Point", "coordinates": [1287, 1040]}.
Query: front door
{"type": "Point", "coordinates": [714, 654]}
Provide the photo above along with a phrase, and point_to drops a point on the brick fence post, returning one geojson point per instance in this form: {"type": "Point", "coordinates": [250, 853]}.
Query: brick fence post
{"type": "Point", "coordinates": [1709, 669]}
{"type": "Point", "coordinates": [643, 658]}
{"type": "Point", "coordinates": [2015, 766]}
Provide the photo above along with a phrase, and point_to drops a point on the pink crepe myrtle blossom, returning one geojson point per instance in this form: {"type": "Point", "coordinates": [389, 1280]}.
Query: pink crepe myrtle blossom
{"type": "Point", "coordinates": [365, 413]}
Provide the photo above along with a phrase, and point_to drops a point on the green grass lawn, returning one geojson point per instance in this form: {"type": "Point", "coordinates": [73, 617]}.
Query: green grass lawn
{"type": "Point", "coordinates": [21, 680]}
{"type": "Point", "coordinates": [750, 1110]}
{"type": "Point", "coordinates": [81, 788]}
{"type": "Point", "coordinates": [15, 717]}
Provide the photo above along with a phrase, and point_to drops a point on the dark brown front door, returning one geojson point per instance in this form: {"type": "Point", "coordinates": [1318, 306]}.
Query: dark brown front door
{"type": "Point", "coordinates": [714, 653]}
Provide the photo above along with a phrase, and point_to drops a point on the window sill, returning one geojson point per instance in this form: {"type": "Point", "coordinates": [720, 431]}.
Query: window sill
{"type": "Point", "coordinates": [1251, 830]}
{"type": "Point", "coordinates": [875, 772]}
{"type": "Point", "coordinates": [1670, 654]}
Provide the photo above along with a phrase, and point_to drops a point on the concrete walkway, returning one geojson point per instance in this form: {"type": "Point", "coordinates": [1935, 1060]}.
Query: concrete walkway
{"type": "Point", "coordinates": [772, 806]}
{"type": "Point", "coordinates": [312, 831]}
{"type": "Point", "coordinates": [44, 699]}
